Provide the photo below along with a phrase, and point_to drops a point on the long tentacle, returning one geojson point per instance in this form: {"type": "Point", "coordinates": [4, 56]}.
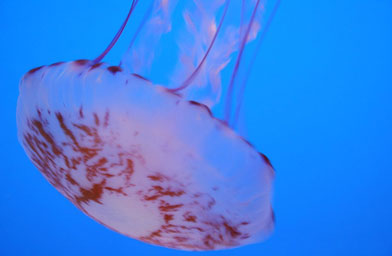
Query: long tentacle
{"type": "Point", "coordinates": [144, 46]}
{"type": "Point", "coordinates": [190, 78]}
{"type": "Point", "coordinates": [259, 43]}
{"type": "Point", "coordinates": [237, 65]}
{"type": "Point", "coordinates": [140, 27]}
{"type": "Point", "coordinates": [118, 34]}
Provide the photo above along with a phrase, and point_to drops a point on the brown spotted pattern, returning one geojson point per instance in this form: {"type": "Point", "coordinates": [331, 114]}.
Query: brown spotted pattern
{"type": "Point", "coordinates": [81, 155]}
{"type": "Point", "coordinates": [56, 163]}
{"type": "Point", "coordinates": [215, 232]}
{"type": "Point", "coordinates": [81, 149]}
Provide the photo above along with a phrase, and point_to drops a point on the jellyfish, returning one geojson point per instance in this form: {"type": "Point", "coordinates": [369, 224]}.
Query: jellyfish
{"type": "Point", "coordinates": [152, 161]}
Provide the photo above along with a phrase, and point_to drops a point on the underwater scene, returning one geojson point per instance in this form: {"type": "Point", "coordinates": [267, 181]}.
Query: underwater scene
{"type": "Point", "coordinates": [179, 127]}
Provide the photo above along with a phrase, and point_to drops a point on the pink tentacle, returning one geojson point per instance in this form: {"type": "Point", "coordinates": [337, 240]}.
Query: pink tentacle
{"type": "Point", "coordinates": [117, 36]}
{"type": "Point", "coordinates": [141, 25]}
{"type": "Point", "coordinates": [237, 65]}
{"type": "Point", "coordinates": [259, 43]}
{"type": "Point", "coordinates": [189, 80]}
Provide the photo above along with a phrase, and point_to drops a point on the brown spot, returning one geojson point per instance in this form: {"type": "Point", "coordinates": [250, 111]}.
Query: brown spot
{"type": "Point", "coordinates": [170, 228]}
{"type": "Point", "coordinates": [180, 239]}
{"type": "Point", "coordinates": [190, 218]}
{"type": "Point", "coordinates": [231, 230]}
{"type": "Point", "coordinates": [156, 233]}
{"type": "Point", "coordinates": [159, 191]}
{"type": "Point", "coordinates": [88, 153]}
{"type": "Point", "coordinates": [81, 62]}
{"type": "Point", "coordinates": [114, 69]}
{"type": "Point", "coordinates": [70, 179]}
{"type": "Point", "coordinates": [157, 177]}
{"type": "Point", "coordinates": [85, 129]}
{"type": "Point", "coordinates": [32, 71]}
{"type": "Point", "coordinates": [65, 129]}
{"type": "Point", "coordinates": [209, 242]}
{"type": "Point", "coordinates": [266, 160]}
{"type": "Point", "coordinates": [56, 64]}
{"type": "Point", "coordinates": [141, 77]}
{"type": "Point", "coordinates": [92, 194]}
{"type": "Point", "coordinates": [96, 65]}
{"type": "Point", "coordinates": [201, 105]}
{"type": "Point", "coordinates": [96, 119]}
{"type": "Point", "coordinates": [129, 169]}
{"type": "Point", "coordinates": [81, 112]}
{"type": "Point", "coordinates": [117, 190]}
{"type": "Point", "coordinates": [46, 136]}
{"type": "Point", "coordinates": [101, 161]}
{"type": "Point", "coordinates": [168, 217]}
{"type": "Point", "coordinates": [170, 207]}
{"type": "Point", "coordinates": [106, 119]}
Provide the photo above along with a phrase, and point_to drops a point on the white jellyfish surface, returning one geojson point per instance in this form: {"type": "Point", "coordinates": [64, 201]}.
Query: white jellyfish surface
{"type": "Point", "coordinates": [144, 160]}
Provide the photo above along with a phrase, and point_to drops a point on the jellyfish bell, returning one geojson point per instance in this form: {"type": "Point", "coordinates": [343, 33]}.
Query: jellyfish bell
{"type": "Point", "coordinates": [142, 159]}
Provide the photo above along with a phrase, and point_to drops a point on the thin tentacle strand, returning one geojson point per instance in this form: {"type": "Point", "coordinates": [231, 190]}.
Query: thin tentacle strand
{"type": "Point", "coordinates": [237, 65]}
{"type": "Point", "coordinates": [248, 71]}
{"type": "Point", "coordinates": [190, 78]}
{"type": "Point", "coordinates": [117, 36]}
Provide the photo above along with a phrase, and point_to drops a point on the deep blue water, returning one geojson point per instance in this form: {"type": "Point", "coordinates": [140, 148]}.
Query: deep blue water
{"type": "Point", "coordinates": [318, 104]}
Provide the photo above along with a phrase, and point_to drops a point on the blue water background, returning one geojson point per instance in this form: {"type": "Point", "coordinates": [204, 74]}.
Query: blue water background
{"type": "Point", "coordinates": [318, 104]}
